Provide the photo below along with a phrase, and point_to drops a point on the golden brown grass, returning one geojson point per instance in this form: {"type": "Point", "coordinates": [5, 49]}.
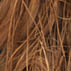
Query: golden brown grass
{"type": "Point", "coordinates": [35, 35]}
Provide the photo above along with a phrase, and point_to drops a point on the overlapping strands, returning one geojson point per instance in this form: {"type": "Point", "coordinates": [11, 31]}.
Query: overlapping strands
{"type": "Point", "coordinates": [35, 35]}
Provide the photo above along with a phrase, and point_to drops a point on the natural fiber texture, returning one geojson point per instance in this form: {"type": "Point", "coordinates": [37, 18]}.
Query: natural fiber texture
{"type": "Point", "coordinates": [35, 35]}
